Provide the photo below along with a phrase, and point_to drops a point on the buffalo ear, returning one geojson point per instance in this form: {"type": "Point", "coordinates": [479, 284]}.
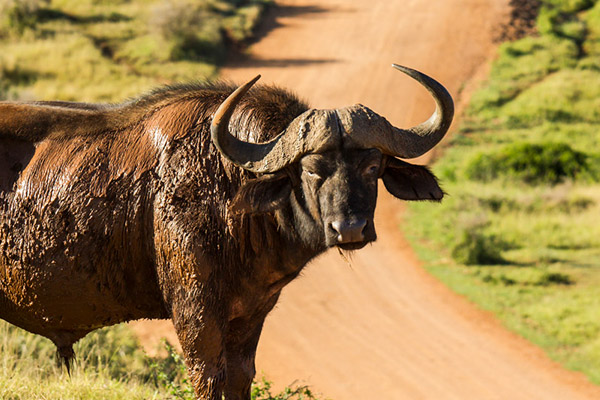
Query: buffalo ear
{"type": "Point", "coordinates": [263, 194]}
{"type": "Point", "coordinates": [410, 182]}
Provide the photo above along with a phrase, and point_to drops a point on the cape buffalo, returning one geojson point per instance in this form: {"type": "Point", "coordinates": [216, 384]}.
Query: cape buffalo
{"type": "Point", "coordinates": [197, 203]}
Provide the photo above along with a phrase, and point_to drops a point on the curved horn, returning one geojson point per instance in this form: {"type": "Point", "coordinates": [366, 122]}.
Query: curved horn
{"type": "Point", "coordinates": [283, 150]}
{"type": "Point", "coordinates": [421, 138]}
{"type": "Point", "coordinates": [371, 130]}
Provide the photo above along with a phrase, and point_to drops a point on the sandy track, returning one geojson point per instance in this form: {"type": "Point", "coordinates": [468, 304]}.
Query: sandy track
{"type": "Point", "coordinates": [383, 328]}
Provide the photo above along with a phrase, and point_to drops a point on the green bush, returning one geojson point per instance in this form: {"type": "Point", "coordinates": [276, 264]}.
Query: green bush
{"type": "Point", "coordinates": [475, 247]}
{"type": "Point", "coordinates": [241, 25]}
{"type": "Point", "coordinates": [170, 373]}
{"type": "Point", "coordinates": [262, 391]}
{"type": "Point", "coordinates": [554, 278]}
{"type": "Point", "coordinates": [568, 6]}
{"type": "Point", "coordinates": [199, 30]}
{"type": "Point", "coordinates": [544, 163]}
{"type": "Point", "coordinates": [192, 29]}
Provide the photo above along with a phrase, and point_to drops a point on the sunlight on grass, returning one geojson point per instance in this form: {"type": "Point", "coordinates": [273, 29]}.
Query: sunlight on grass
{"type": "Point", "coordinates": [112, 50]}
{"type": "Point", "coordinates": [109, 364]}
{"type": "Point", "coordinates": [523, 177]}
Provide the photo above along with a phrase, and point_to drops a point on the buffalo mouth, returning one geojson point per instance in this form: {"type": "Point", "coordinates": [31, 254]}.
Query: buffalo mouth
{"type": "Point", "coordinates": [351, 234]}
{"type": "Point", "coordinates": [352, 245]}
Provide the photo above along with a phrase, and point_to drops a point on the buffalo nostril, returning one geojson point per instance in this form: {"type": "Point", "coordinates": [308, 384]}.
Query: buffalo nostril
{"type": "Point", "coordinates": [349, 231]}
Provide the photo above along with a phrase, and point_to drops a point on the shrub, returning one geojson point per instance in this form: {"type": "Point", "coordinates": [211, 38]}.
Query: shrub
{"type": "Point", "coordinates": [191, 28]}
{"type": "Point", "coordinates": [475, 247]}
{"type": "Point", "coordinates": [568, 6]}
{"type": "Point", "coordinates": [262, 391]}
{"type": "Point", "coordinates": [18, 15]}
{"type": "Point", "coordinates": [554, 278]}
{"type": "Point", "coordinates": [544, 163]}
{"type": "Point", "coordinates": [240, 26]}
{"type": "Point", "coordinates": [171, 374]}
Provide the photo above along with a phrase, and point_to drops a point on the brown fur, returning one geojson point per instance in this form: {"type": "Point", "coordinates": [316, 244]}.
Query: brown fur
{"type": "Point", "coordinates": [111, 213]}
{"type": "Point", "coordinates": [93, 218]}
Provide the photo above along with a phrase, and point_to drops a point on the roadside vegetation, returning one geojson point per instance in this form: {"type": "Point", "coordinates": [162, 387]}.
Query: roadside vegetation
{"type": "Point", "coordinates": [519, 232]}
{"type": "Point", "coordinates": [92, 50]}
{"type": "Point", "coordinates": [107, 51]}
{"type": "Point", "coordinates": [109, 365]}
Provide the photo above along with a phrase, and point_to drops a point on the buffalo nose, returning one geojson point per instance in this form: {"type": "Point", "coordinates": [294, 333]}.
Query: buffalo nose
{"type": "Point", "coordinates": [349, 231]}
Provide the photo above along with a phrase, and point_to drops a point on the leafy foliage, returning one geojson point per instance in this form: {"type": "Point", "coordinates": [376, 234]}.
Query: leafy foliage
{"type": "Point", "coordinates": [170, 373]}
{"type": "Point", "coordinates": [475, 247]}
{"type": "Point", "coordinates": [533, 163]}
{"type": "Point", "coordinates": [262, 391]}
{"type": "Point", "coordinates": [191, 28]}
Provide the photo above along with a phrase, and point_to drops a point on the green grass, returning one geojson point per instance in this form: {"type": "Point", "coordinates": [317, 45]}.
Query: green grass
{"type": "Point", "coordinates": [110, 50]}
{"type": "Point", "coordinates": [519, 233]}
{"type": "Point", "coordinates": [110, 364]}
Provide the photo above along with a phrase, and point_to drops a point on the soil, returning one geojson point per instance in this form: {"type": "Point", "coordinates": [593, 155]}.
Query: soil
{"type": "Point", "coordinates": [378, 326]}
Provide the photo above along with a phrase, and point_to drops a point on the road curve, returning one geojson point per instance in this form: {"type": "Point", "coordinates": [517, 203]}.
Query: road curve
{"type": "Point", "coordinates": [379, 327]}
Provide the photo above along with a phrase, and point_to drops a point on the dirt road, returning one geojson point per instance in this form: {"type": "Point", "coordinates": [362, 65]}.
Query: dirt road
{"type": "Point", "coordinates": [382, 328]}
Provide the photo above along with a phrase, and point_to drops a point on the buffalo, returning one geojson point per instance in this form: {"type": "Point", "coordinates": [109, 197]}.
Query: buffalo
{"type": "Point", "coordinates": [195, 202]}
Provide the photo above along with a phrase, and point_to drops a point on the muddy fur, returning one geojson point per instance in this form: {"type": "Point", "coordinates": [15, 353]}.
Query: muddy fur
{"type": "Point", "coordinates": [112, 213]}
{"type": "Point", "coordinates": [105, 219]}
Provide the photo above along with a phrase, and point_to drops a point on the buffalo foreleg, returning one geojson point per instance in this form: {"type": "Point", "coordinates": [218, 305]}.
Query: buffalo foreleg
{"type": "Point", "coordinates": [201, 334]}
{"type": "Point", "coordinates": [241, 343]}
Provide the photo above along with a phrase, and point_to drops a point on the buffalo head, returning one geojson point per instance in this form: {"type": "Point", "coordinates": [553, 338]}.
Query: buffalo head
{"type": "Point", "coordinates": [326, 163]}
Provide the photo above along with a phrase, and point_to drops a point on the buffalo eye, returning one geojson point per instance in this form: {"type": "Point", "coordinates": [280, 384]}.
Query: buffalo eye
{"type": "Point", "coordinates": [371, 170]}
{"type": "Point", "coordinates": [313, 176]}
{"type": "Point", "coordinates": [370, 163]}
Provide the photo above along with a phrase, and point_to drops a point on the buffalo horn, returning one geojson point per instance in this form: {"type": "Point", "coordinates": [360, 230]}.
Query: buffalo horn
{"type": "Point", "coordinates": [369, 129]}
{"type": "Point", "coordinates": [281, 151]}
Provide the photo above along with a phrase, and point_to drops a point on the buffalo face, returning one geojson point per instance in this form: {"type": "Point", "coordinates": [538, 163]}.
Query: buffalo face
{"type": "Point", "coordinates": [325, 164]}
{"type": "Point", "coordinates": [333, 194]}
{"type": "Point", "coordinates": [340, 191]}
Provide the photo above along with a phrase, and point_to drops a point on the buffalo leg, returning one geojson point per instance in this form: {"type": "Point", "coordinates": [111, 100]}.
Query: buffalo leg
{"type": "Point", "coordinates": [241, 343]}
{"type": "Point", "coordinates": [202, 340]}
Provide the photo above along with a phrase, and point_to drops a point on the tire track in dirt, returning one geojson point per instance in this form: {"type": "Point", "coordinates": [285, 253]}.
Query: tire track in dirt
{"type": "Point", "coordinates": [383, 328]}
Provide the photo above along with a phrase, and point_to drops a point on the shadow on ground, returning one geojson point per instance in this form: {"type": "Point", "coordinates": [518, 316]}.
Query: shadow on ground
{"type": "Point", "coordinates": [272, 21]}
